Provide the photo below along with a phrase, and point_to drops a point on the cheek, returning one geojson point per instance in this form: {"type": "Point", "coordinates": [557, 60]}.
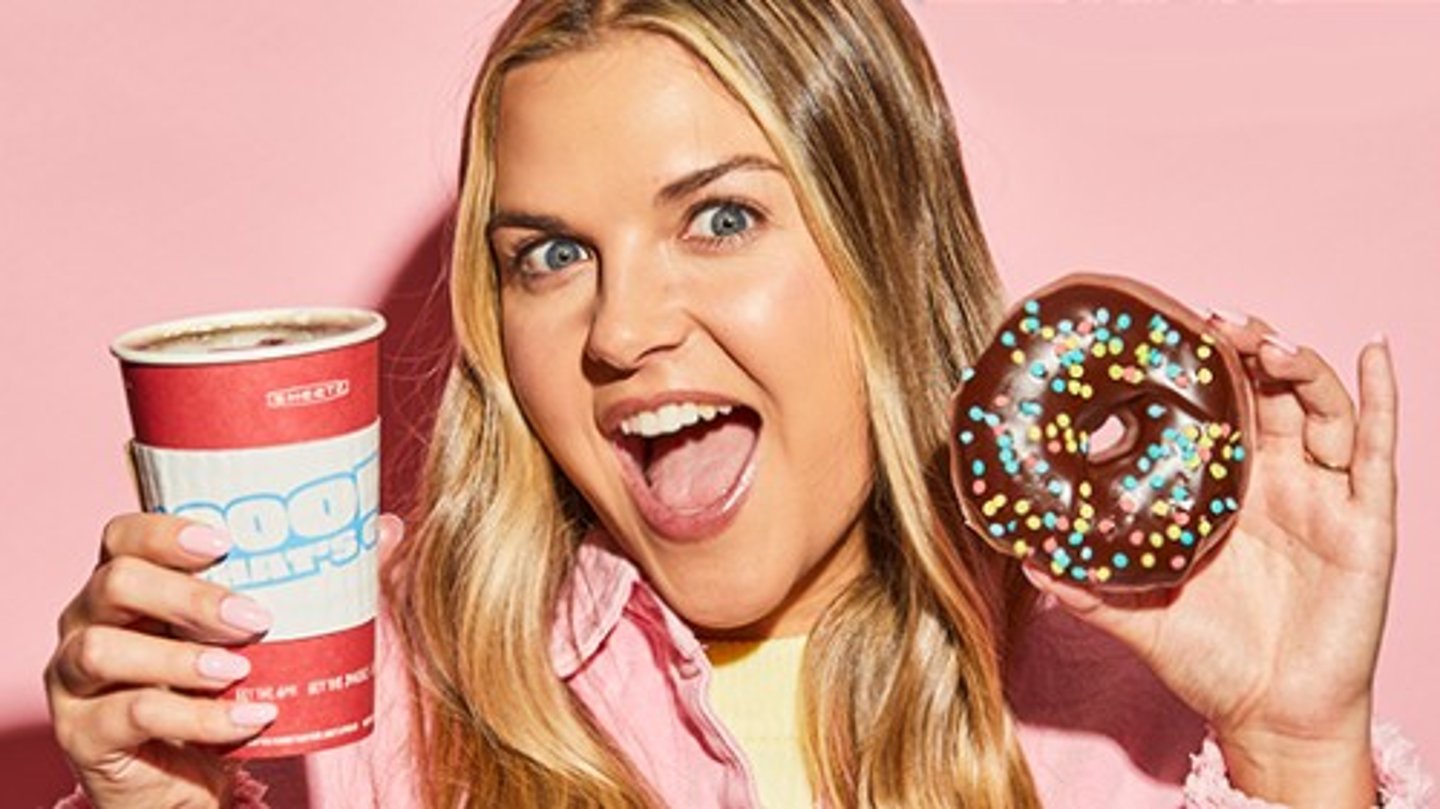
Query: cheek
{"type": "Point", "coordinates": [523, 354]}
{"type": "Point", "coordinates": [543, 368]}
{"type": "Point", "coordinates": [784, 311]}
{"type": "Point", "coordinates": [794, 330]}
{"type": "Point", "coordinates": [828, 400]}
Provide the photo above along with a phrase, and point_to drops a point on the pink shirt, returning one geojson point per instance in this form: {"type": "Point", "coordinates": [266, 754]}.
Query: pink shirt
{"type": "Point", "coordinates": [1097, 728]}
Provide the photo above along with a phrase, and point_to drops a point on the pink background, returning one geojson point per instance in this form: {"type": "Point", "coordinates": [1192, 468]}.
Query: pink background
{"type": "Point", "coordinates": [168, 158]}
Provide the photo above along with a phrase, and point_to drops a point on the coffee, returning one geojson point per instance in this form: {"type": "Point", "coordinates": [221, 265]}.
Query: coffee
{"type": "Point", "coordinates": [245, 338]}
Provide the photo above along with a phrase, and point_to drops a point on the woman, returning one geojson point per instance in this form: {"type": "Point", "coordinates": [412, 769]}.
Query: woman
{"type": "Point", "coordinates": [716, 271]}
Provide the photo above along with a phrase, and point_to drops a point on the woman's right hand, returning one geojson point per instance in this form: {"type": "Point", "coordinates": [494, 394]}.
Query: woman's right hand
{"type": "Point", "coordinates": [141, 655]}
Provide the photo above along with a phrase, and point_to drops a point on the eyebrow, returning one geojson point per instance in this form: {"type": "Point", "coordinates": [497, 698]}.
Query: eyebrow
{"type": "Point", "coordinates": [696, 180]}
{"type": "Point", "coordinates": [526, 221]}
{"type": "Point", "coordinates": [674, 190]}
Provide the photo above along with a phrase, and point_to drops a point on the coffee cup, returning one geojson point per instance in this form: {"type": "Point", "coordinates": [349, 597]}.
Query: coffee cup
{"type": "Point", "coordinates": [266, 424]}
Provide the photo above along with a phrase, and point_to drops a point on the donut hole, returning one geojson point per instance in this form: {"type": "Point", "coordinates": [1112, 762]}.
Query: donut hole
{"type": "Point", "coordinates": [1114, 438]}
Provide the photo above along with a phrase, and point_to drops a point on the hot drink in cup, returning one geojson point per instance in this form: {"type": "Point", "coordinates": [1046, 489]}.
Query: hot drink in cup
{"type": "Point", "coordinates": [266, 424]}
{"type": "Point", "coordinates": [245, 337]}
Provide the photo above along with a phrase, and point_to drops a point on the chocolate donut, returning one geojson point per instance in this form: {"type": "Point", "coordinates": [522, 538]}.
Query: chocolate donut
{"type": "Point", "coordinates": [1138, 504]}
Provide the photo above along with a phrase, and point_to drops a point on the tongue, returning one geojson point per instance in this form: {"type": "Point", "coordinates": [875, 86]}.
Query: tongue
{"type": "Point", "coordinates": [697, 466]}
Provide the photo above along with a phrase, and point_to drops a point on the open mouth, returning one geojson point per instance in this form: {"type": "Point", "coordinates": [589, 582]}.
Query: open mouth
{"type": "Point", "coordinates": [688, 466]}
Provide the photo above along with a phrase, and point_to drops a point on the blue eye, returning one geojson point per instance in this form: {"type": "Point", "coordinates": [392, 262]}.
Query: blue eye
{"type": "Point", "coordinates": [551, 255]}
{"type": "Point", "coordinates": [725, 220]}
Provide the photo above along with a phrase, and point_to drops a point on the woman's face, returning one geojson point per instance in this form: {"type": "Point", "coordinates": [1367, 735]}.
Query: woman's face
{"type": "Point", "coordinates": [674, 335]}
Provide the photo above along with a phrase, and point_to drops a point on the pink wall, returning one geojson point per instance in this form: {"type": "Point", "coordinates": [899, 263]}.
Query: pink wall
{"type": "Point", "coordinates": [169, 157]}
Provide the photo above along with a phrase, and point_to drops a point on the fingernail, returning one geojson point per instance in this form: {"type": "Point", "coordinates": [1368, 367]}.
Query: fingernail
{"type": "Point", "coordinates": [203, 540]}
{"type": "Point", "coordinates": [1281, 343]}
{"type": "Point", "coordinates": [1033, 575]}
{"type": "Point", "coordinates": [218, 664]}
{"type": "Point", "coordinates": [1205, 312]}
{"type": "Point", "coordinates": [1232, 317]}
{"type": "Point", "coordinates": [243, 613]}
{"type": "Point", "coordinates": [253, 714]}
{"type": "Point", "coordinates": [391, 528]}
{"type": "Point", "coordinates": [1379, 339]}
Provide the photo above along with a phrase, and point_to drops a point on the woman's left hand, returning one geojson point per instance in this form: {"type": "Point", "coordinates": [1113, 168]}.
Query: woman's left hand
{"type": "Point", "coordinates": [1274, 639]}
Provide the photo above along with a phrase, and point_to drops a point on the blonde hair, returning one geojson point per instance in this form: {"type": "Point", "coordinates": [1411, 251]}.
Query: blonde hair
{"type": "Point", "coordinates": [912, 711]}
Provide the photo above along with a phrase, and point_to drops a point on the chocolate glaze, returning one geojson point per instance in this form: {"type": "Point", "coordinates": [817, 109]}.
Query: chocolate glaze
{"type": "Point", "coordinates": [1139, 513]}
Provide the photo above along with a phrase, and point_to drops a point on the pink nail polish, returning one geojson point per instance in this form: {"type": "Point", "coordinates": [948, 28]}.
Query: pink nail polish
{"type": "Point", "coordinates": [392, 529]}
{"type": "Point", "coordinates": [253, 714]}
{"type": "Point", "coordinates": [1232, 317]}
{"type": "Point", "coordinates": [218, 664]}
{"type": "Point", "coordinates": [243, 613]}
{"type": "Point", "coordinates": [1034, 576]}
{"type": "Point", "coordinates": [1282, 344]}
{"type": "Point", "coordinates": [203, 540]}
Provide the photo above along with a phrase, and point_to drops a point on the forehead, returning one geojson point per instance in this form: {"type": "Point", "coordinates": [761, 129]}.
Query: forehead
{"type": "Point", "coordinates": [637, 108]}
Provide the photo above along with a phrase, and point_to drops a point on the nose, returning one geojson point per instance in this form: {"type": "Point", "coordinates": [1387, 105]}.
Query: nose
{"type": "Point", "coordinates": [637, 312]}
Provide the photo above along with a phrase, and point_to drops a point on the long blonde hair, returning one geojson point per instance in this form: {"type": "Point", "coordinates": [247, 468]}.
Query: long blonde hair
{"type": "Point", "coordinates": [912, 711]}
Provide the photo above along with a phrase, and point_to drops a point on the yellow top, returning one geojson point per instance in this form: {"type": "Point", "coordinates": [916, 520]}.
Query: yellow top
{"type": "Point", "coordinates": [755, 689]}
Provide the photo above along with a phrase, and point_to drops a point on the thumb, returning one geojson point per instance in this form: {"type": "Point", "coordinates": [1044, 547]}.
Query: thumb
{"type": "Point", "coordinates": [391, 529]}
{"type": "Point", "coordinates": [1131, 618]}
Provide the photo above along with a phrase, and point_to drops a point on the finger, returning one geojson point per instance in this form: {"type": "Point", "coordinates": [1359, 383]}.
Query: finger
{"type": "Point", "coordinates": [90, 730]}
{"type": "Point", "coordinates": [1372, 472]}
{"type": "Point", "coordinates": [128, 589]}
{"type": "Point", "coordinates": [1279, 417]}
{"type": "Point", "coordinates": [392, 530]}
{"type": "Point", "coordinates": [98, 658]}
{"type": "Point", "coordinates": [1120, 615]}
{"type": "Point", "coordinates": [1327, 428]}
{"type": "Point", "coordinates": [164, 540]}
{"type": "Point", "coordinates": [1242, 330]}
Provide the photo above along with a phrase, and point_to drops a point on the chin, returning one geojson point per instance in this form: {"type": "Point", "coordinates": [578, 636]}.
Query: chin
{"type": "Point", "coordinates": [730, 606]}
{"type": "Point", "coordinates": [723, 618]}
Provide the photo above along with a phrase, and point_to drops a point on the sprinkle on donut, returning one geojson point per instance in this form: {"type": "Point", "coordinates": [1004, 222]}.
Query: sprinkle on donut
{"type": "Point", "coordinates": [1166, 477]}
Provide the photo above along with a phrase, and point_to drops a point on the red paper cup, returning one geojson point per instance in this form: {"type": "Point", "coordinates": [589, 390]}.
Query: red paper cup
{"type": "Point", "coordinates": [266, 424]}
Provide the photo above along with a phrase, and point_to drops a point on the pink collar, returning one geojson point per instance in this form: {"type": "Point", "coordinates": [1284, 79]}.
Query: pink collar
{"type": "Point", "coordinates": [603, 585]}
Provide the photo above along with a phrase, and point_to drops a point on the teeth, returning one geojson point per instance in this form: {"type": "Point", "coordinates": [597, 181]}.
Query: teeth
{"type": "Point", "coordinates": [671, 418]}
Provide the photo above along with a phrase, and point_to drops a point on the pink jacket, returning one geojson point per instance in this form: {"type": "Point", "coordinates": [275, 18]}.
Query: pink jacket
{"type": "Point", "coordinates": [1098, 730]}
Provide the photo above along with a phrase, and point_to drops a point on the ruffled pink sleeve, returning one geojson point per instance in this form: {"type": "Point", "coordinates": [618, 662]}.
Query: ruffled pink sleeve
{"type": "Point", "coordinates": [1403, 784]}
{"type": "Point", "coordinates": [249, 793]}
